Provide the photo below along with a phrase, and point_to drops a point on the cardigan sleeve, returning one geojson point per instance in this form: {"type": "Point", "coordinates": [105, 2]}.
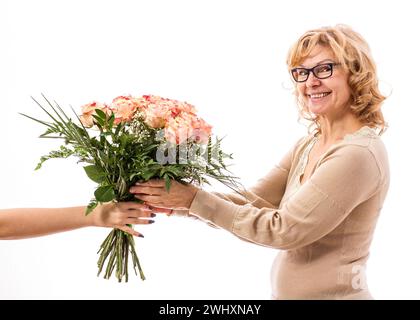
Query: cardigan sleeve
{"type": "Point", "coordinates": [342, 180]}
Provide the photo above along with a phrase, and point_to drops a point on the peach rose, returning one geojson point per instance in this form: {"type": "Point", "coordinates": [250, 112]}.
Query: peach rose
{"type": "Point", "coordinates": [187, 126]}
{"type": "Point", "coordinates": [175, 106]}
{"type": "Point", "coordinates": [186, 107]}
{"type": "Point", "coordinates": [177, 130]}
{"type": "Point", "coordinates": [201, 131]}
{"type": "Point", "coordinates": [156, 115]}
{"type": "Point", "coordinates": [124, 108]}
{"type": "Point", "coordinates": [89, 109]}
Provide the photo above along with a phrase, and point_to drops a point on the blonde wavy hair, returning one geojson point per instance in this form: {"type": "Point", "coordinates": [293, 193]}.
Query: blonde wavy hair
{"type": "Point", "coordinates": [353, 53]}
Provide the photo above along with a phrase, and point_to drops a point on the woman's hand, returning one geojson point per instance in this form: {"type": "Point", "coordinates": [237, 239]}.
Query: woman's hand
{"type": "Point", "coordinates": [118, 215]}
{"type": "Point", "coordinates": [153, 193]}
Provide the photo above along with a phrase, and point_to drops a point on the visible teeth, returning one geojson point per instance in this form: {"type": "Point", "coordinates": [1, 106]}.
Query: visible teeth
{"type": "Point", "coordinates": [319, 95]}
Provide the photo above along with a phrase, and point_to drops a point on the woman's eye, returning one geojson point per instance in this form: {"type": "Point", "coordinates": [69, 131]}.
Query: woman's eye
{"type": "Point", "coordinates": [324, 69]}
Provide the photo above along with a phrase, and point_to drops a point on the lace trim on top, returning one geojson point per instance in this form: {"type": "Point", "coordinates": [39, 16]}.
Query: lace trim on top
{"type": "Point", "coordinates": [364, 131]}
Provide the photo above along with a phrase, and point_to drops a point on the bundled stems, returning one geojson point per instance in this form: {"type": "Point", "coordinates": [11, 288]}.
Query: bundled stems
{"type": "Point", "coordinates": [115, 248]}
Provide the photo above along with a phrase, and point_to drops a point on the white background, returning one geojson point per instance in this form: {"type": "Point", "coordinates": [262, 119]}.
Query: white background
{"type": "Point", "coordinates": [228, 59]}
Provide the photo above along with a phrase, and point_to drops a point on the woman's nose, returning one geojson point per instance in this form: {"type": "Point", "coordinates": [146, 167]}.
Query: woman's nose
{"type": "Point", "coordinates": [312, 80]}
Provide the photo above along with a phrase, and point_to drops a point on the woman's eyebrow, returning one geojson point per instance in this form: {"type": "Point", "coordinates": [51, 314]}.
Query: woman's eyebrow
{"type": "Point", "coordinates": [319, 62]}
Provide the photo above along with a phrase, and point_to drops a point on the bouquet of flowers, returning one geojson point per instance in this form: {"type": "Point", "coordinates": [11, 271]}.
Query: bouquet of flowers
{"type": "Point", "coordinates": [129, 140]}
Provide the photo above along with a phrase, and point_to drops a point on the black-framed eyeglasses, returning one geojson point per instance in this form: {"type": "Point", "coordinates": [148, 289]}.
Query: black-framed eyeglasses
{"type": "Point", "coordinates": [321, 71]}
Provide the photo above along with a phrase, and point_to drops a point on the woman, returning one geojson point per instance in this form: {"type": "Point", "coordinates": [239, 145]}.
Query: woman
{"type": "Point", "coordinates": [25, 223]}
{"type": "Point", "coordinates": [320, 204]}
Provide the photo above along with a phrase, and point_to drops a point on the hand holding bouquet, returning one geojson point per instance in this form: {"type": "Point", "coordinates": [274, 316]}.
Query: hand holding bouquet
{"type": "Point", "coordinates": [135, 139]}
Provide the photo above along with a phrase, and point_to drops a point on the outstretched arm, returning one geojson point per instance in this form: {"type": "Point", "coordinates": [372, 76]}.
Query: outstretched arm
{"type": "Point", "coordinates": [34, 222]}
{"type": "Point", "coordinates": [343, 180]}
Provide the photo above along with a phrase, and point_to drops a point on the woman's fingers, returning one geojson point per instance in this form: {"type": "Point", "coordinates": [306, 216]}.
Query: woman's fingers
{"type": "Point", "coordinates": [157, 183]}
{"type": "Point", "coordinates": [130, 231]}
{"type": "Point", "coordinates": [167, 211]}
{"type": "Point", "coordinates": [154, 200]}
{"type": "Point", "coordinates": [137, 189]}
{"type": "Point", "coordinates": [138, 221]}
{"type": "Point", "coordinates": [142, 211]}
{"type": "Point", "coordinates": [139, 214]}
{"type": "Point", "coordinates": [133, 206]}
{"type": "Point", "coordinates": [132, 213]}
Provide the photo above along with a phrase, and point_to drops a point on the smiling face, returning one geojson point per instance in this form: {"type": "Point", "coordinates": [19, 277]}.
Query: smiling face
{"type": "Point", "coordinates": [328, 96]}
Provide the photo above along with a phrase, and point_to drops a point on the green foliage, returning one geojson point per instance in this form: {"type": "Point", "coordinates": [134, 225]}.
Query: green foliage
{"type": "Point", "coordinates": [64, 152]}
{"type": "Point", "coordinates": [105, 194]}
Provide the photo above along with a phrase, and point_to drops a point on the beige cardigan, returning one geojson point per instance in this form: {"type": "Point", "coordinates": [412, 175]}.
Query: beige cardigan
{"type": "Point", "coordinates": [324, 227]}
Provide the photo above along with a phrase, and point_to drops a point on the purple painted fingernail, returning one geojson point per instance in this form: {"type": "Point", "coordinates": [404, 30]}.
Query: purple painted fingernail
{"type": "Point", "coordinates": [151, 221]}
{"type": "Point", "coordinates": [140, 235]}
{"type": "Point", "coordinates": [153, 215]}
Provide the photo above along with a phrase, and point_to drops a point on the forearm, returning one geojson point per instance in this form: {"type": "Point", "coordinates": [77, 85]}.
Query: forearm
{"type": "Point", "coordinates": [33, 222]}
{"type": "Point", "coordinates": [236, 198]}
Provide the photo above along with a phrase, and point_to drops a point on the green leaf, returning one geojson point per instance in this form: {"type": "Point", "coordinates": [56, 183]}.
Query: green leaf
{"type": "Point", "coordinates": [111, 120]}
{"type": "Point", "coordinates": [105, 194]}
{"type": "Point", "coordinates": [99, 120]}
{"type": "Point", "coordinates": [48, 124]}
{"type": "Point", "coordinates": [167, 182]}
{"type": "Point", "coordinates": [147, 175]}
{"type": "Point", "coordinates": [101, 114]}
{"type": "Point", "coordinates": [133, 175]}
{"type": "Point", "coordinates": [91, 206]}
{"type": "Point", "coordinates": [95, 173]}
{"type": "Point", "coordinates": [39, 165]}
{"type": "Point", "coordinates": [173, 169]}
{"type": "Point", "coordinates": [118, 129]}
